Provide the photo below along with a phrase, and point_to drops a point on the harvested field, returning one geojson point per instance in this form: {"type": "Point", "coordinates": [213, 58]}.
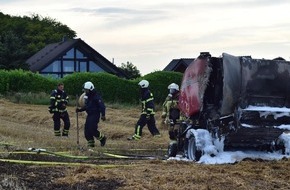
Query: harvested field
{"type": "Point", "coordinates": [61, 163]}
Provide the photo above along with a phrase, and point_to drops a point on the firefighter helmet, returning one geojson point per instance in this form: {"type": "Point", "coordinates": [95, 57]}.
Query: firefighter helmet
{"type": "Point", "coordinates": [89, 86]}
{"type": "Point", "coordinates": [173, 86]}
{"type": "Point", "coordinates": [143, 84]}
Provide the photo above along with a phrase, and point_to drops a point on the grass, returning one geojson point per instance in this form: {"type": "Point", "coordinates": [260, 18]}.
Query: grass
{"type": "Point", "coordinates": [43, 99]}
{"type": "Point", "coordinates": [28, 98]}
{"type": "Point", "coordinates": [28, 125]}
{"type": "Point", "coordinates": [35, 124]}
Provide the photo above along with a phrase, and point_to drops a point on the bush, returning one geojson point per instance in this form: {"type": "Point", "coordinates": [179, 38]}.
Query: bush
{"type": "Point", "coordinates": [112, 88]}
{"type": "Point", "coordinates": [24, 81]}
{"type": "Point", "coordinates": [4, 81]}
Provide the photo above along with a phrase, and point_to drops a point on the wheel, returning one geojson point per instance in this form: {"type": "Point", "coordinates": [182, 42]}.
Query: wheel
{"type": "Point", "coordinates": [172, 149]}
{"type": "Point", "coordinates": [192, 152]}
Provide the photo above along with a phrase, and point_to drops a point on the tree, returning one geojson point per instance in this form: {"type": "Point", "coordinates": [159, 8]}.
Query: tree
{"type": "Point", "coordinates": [130, 70]}
{"type": "Point", "coordinates": [22, 37]}
{"type": "Point", "coordinates": [12, 55]}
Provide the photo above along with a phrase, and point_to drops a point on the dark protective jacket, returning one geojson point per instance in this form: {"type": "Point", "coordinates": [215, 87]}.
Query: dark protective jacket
{"type": "Point", "coordinates": [58, 101]}
{"type": "Point", "coordinates": [171, 107]}
{"type": "Point", "coordinates": [147, 101]}
{"type": "Point", "coordinates": [94, 104]}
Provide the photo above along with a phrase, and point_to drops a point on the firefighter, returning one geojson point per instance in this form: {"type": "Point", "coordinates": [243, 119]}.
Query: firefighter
{"type": "Point", "coordinates": [147, 113]}
{"type": "Point", "coordinates": [170, 105]}
{"type": "Point", "coordinates": [58, 102]}
{"type": "Point", "coordinates": [171, 112]}
{"type": "Point", "coordinates": [96, 109]}
{"type": "Point", "coordinates": [172, 117]}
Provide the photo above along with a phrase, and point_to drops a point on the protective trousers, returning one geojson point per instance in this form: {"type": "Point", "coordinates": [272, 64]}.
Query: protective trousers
{"type": "Point", "coordinates": [56, 119]}
{"type": "Point", "coordinates": [151, 123]}
{"type": "Point", "coordinates": [173, 131]}
{"type": "Point", "coordinates": [91, 129]}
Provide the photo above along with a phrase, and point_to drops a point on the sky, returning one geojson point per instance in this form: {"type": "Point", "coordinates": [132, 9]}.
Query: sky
{"type": "Point", "coordinates": [151, 33]}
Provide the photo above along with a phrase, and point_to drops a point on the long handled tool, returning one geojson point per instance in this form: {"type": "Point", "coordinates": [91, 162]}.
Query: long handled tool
{"type": "Point", "coordinates": [77, 120]}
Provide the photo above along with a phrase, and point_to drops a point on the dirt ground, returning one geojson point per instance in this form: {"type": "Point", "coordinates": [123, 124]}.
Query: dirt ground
{"type": "Point", "coordinates": [63, 163]}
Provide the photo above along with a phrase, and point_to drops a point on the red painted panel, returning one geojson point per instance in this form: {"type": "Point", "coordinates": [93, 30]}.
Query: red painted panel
{"type": "Point", "coordinates": [190, 97]}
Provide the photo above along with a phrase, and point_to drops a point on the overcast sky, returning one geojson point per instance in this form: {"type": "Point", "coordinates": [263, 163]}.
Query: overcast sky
{"type": "Point", "coordinates": [152, 33]}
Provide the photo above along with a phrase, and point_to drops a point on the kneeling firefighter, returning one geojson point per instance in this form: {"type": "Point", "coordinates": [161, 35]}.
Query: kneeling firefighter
{"type": "Point", "coordinates": [95, 108]}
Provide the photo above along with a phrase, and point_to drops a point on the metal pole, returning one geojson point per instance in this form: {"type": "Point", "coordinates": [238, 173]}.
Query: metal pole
{"type": "Point", "coordinates": [77, 118]}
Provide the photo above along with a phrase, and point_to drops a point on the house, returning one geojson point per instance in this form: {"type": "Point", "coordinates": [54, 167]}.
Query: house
{"type": "Point", "coordinates": [69, 56]}
{"type": "Point", "coordinates": [178, 65]}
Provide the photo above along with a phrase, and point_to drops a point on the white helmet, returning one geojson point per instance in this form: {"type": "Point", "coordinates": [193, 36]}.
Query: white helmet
{"type": "Point", "coordinates": [173, 86]}
{"type": "Point", "coordinates": [143, 84]}
{"type": "Point", "coordinates": [89, 86]}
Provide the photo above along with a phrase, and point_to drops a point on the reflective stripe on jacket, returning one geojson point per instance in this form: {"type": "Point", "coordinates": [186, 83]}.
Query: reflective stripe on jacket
{"type": "Point", "coordinates": [147, 101]}
{"type": "Point", "coordinates": [58, 100]}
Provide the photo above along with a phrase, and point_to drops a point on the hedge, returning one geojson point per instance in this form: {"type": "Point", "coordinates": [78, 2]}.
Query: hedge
{"type": "Point", "coordinates": [24, 81]}
{"type": "Point", "coordinates": [112, 88]}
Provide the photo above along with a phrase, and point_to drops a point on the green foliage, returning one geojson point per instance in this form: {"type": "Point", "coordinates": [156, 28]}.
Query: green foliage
{"type": "Point", "coordinates": [24, 81]}
{"type": "Point", "coordinates": [12, 55]}
{"type": "Point", "coordinates": [130, 70]}
{"type": "Point", "coordinates": [21, 37]}
{"type": "Point", "coordinates": [112, 88]}
{"type": "Point", "coordinates": [4, 81]}
{"type": "Point", "coordinates": [29, 98]}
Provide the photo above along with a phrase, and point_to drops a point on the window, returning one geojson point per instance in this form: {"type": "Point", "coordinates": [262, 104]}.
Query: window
{"type": "Point", "coordinates": [81, 66]}
{"type": "Point", "coordinates": [51, 75]}
{"type": "Point", "coordinates": [94, 67]}
{"type": "Point", "coordinates": [68, 66]}
{"type": "Point", "coordinates": [69, 54]}
{"type": "Point", "coordinates": [74, 60]}
{"type": "Point", "coordinates": [54, 67]}
{"type": "Point", "coordinates": [79, 55]}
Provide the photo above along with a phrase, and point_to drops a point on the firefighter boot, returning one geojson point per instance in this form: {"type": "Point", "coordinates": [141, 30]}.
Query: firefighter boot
{"type": "Point", "coordinates": [91, 143]}
{"type": "Point", "coordinates": [134, 137]}
{"type": "Point", "coordinates": [103, 141]}
{"type": "Point", "coordinates": [65, 133]}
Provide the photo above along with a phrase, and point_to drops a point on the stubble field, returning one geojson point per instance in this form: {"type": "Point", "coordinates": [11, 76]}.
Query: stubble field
{"type": "Point", "coordinates": [62, 163]}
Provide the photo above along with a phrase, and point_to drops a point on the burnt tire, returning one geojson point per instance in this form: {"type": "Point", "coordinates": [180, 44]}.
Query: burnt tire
{"type": "Point", "coordinates": [192, 152]}
{"type": "Point", "coordinates": [172, 150]}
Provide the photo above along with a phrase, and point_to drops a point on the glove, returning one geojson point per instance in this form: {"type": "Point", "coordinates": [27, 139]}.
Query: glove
{"type": "Point", "coordinates": [50, 110]}
{"type": "Point", "coordinates": [78, 110]}
{"type": "Point", "coordinates": [103, 118]}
